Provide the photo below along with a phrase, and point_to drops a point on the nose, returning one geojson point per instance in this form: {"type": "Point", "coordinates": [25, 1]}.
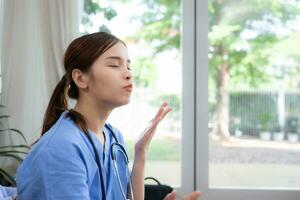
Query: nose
{"type": "Point", "coordinates": [128, 75]}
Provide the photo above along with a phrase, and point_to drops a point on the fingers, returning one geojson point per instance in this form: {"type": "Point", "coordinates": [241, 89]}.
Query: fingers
{"type": "Point", "coordinates": [148, 133]}
{"type": "Point", "coordinates": [162, 112]}
{"type": "Point", "coordinates": [192, 196]}
{"type": "Point", "coordinates": [171, 196]}
{"type": "Point", "coordinates": [166, 110]}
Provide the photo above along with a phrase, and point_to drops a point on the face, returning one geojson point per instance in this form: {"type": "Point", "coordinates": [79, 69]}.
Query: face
{"type": "Point", "coordinates": [110, 78]}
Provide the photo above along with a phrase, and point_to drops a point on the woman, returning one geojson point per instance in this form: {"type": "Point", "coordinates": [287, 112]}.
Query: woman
{"type": "Point", "coordinates": [74, 157]}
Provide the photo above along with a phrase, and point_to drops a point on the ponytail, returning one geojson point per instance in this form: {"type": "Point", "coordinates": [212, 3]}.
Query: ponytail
{"type": "Point", "coordinates": [57, 104]}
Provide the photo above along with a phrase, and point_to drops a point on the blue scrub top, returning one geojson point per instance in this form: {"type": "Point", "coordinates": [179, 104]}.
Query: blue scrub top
{"type": "Point", "coordinates": [62, 165]}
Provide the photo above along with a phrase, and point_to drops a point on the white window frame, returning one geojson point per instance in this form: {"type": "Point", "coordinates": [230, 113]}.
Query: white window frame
{"type": "Point", "coordinates": [195, 166]}
{"type": "Point", "coordinates": [188, 45]}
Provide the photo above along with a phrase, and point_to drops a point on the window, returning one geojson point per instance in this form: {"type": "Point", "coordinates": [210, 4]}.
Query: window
{"type": "Point", "coordinates": [244, 85]}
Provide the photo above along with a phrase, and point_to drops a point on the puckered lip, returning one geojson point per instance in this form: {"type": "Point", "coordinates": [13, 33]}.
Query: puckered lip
{"type": "Point", "coordinates": [128, 87]}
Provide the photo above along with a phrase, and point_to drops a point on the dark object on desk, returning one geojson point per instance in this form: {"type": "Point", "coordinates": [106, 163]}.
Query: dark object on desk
{"type": "Point", "coordinates": [156, 191]}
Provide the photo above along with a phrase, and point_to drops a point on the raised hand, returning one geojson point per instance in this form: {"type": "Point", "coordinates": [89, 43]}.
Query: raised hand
{"type": "Point", "coordinates": [144, 140]}
{"type": "Point", "coordinates": [141, 146]}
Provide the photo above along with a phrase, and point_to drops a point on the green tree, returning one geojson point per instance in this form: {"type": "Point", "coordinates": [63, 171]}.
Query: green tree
{"type": "Point", "coordinates": [238, 59]}
{"type": "Point", "coordinates": [92, 8]}
{"type": "Point", "coordinates": [161, 24]}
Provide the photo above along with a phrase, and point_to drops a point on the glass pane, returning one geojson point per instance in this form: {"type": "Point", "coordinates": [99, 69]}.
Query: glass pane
{"type": "Point", "coordinates": [254, 94]}
{"type": "Point", "coordinates": [151, 32]}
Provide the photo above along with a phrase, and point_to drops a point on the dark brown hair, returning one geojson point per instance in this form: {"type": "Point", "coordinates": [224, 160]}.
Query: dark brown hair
{"type": "Point", "coordinates": [81, 54]}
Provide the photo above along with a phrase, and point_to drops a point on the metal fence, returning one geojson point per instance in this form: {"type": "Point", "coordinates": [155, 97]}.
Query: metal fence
{"type": "Point", "coordinates": [249, 110]}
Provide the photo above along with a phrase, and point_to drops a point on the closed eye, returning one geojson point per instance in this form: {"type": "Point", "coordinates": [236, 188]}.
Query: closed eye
{"type": "Point", "coordinates": [113, 65]}
{"type": "Point", "coordinates": [128, 67]}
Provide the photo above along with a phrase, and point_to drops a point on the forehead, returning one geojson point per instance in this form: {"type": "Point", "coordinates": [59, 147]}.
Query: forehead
{"type": "Point", "coordinates": [117, 52]}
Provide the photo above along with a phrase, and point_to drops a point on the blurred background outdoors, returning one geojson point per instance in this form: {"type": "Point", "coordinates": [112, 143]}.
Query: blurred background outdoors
{"type": "Point", "coordinates": [254, 80]}
{"type": "Point", "coordinates": [253, 85]}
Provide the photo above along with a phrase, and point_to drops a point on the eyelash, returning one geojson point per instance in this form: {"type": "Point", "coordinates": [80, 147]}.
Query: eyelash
{"type": "Point", "coordinates": [113, 65]}
{"type": "Point", "coordinates": [129, 68]}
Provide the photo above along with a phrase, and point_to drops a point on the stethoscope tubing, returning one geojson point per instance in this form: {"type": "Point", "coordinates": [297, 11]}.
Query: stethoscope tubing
{"type": "Point", "coordinates": [114, 151]}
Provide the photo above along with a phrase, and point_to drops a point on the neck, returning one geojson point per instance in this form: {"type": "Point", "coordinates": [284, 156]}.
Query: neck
{"type": "Point", "coordinates": [94, 115]}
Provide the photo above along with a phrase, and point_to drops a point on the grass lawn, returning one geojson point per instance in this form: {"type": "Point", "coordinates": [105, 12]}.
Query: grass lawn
{"type": "Point", "coordinates": [160, 149]}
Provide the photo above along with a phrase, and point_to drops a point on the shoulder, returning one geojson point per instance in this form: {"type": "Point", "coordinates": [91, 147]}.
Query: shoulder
{"type": "Point", "coordinates": [63, 141]}
{"type": "Point", "coordinates": [63, 133]}
{"type": "Point", "coordinates": [57, 150]}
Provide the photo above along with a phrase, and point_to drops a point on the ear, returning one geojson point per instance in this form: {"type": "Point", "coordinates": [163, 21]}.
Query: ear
{"type": "Point", "coordinates": [80, 78]}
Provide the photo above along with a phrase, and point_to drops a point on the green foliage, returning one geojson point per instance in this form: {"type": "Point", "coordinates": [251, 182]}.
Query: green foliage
{"type": "Point", "coordinates": [9, 151]}
{"type": "Point", "coordinates": [248, 58]}
{"type": "Point", "coordinates": [161, 24]}
{"type": "Point", "coordinates": [288, 47]}
{"type": "Point", "coordinates": [265, 121]}
{"type": "Point", "coordinates": [109, 13]}
{"type": "Point", "coordinates": [104, 28]}
{"type": "Point", "coordinates": [92, 8]}
{"type": "Point", "coordinates": [144, 72]}
{"type": "Point", "coordinates": [250, 66]}
{"type": "Point", "coordinates": [243, 11]}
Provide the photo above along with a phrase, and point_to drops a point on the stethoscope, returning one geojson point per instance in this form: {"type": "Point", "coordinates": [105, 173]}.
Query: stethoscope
{"type": "Point", "coordinates": [114, 149]}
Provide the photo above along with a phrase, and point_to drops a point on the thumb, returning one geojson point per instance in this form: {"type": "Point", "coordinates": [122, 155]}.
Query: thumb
{"type": "Point", "coordinates": [196, 194]}
{"type": "Point", "coordinates": [192, 196]}
{"type": "Point", "coordinates": [171, 196]}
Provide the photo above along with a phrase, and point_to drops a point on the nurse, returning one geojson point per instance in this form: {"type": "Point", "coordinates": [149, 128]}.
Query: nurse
{"type": "Point", "coordinates": [73, 157]}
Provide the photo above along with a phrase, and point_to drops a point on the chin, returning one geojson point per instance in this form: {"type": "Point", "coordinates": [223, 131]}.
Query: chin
{"type": "Point", "coordinates": [122, 103]}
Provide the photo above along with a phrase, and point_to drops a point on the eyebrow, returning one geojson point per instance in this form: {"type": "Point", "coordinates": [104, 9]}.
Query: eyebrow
{"type": "Point", "coordinates": [117, 58]}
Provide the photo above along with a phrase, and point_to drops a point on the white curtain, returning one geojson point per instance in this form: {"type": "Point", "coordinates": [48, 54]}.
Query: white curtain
{"type": "Point", "coordinates": [35, 34]}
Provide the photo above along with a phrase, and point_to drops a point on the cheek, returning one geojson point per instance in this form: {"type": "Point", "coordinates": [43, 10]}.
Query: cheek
{"type": "Point", "coordinates": [105, 82]}
{"type": "Point", "coordinates": [104, 85]}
